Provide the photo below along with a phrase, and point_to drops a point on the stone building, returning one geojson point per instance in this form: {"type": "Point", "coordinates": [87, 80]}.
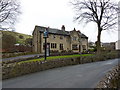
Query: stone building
{"type": "Point", "coordinates": [109, 46]}
{"type": "Point", "coordinates": [59, 40]}
{"type": "Point", "coordinates": [117, 45]}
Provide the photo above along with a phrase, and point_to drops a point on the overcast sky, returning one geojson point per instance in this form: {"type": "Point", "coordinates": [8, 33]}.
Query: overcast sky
{"type": "Point", "coordinates": [55, 13]}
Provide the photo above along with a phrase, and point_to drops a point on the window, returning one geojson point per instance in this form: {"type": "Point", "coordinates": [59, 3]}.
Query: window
{"type": "Point", "coordinates": [83, 39]}
{"type": "Point", "coordinates": [74, 38]}
{"type": "Point", "coordinates": [54, 36]}
{"type": "Point", "coordinates": [53, 45]}
{"type": "Point", "coordinates": [61, 37]}
{"type": "Point", "coordinates": [61, 46]}
{"type": "Point", "coordinates": [67, 40]}
{"type": "Point", "coordinates": [74, 47]}
{"type": "Point", "coordinates": [84, 47]}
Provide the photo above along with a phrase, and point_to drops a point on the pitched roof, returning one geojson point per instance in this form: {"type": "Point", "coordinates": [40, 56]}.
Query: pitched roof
{"type": "Point", "coordinates": [53, 31]}
{"type": "Point", "coordinates": [58, 31]}
{"type": "Point", "coordinates": [84, 36]}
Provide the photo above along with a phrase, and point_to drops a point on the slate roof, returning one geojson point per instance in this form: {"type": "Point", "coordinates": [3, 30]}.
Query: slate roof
{"type": "Point", "coordinates": [57, 31]}
{"type": "Point", "coordinates": [84, 36]}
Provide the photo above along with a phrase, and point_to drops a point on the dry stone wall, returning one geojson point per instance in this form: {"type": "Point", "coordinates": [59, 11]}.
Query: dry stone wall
{"type": "Point", "coordinates": [10, 70]}
{"type": "Point", "coordinates": [111, 80]}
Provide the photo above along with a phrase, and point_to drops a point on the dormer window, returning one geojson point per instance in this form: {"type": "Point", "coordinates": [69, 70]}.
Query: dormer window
{"type": "Point", "coordinates": [74, 38]}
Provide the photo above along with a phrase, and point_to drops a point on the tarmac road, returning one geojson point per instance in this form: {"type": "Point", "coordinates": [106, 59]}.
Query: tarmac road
{"type": "Point", "coordinates": [76, 76]}
{"type": "Point", "coordinates": [20, 57]}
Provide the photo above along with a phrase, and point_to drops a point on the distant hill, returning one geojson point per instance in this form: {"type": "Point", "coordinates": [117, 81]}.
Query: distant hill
{"type": "Point", "coordinates": [20, 38]}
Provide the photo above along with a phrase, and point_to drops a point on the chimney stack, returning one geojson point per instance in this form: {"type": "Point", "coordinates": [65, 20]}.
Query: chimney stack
{"type": "Point", "coordinates": [63, 28]}
{"type": "Point", "coordinates": [74, 29]}
{"type": "Point", "coordinates": [79, 31]}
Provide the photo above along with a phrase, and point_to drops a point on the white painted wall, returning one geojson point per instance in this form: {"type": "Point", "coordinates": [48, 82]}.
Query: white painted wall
{"type": "Point", "coordinates": [117, 46]}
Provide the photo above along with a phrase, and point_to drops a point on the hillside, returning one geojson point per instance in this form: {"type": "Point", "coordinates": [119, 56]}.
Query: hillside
{"type": "Point", "coordinates": [20, 38]}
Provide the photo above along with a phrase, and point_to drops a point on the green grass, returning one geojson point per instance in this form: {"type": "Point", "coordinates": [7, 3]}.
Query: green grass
{"type": "Point", "coordinates": [56, 57]}
{"type": "Point", "coordinates": [16, 35]}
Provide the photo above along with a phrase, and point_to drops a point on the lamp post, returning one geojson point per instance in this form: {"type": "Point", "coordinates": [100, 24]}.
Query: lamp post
{"type": "Point", "coordinates": [45, 36]}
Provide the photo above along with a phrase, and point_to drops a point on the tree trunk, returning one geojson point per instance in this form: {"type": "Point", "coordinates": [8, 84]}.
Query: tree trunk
{"type": "Point", "coordinates": [99, 41]}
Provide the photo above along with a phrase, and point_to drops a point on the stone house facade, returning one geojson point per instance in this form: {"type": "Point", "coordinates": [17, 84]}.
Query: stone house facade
{"type": "Point", "coordinates": [59, 40]}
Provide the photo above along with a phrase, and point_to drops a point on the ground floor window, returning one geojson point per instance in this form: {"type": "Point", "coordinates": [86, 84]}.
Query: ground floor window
{"type": "Point", "coordinates": [53, 45]}
{"type": "Point", "coordinates": [61, 46]}
{"type": "Point", "coordinates": [74, 47]}
{"type": "Point", "coordinates": [84, 47]}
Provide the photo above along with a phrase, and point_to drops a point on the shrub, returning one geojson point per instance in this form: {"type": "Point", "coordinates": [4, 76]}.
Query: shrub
{"type": "Point", "coordinates": [54, 51]}
{"type": "Point", "coordinates": [21, 36]}
{"type": "Point", "coordinates": [85, 52]}
{"type": "Point", "coordinates": [8, 41]}
{"type": "Point", "coordinates": [70, 51]}
{"type": "Point", "coordinates": [63, 51]}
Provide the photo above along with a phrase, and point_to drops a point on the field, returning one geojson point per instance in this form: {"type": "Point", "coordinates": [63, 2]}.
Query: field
{"type": "Point", "coordinates": [20, 38]}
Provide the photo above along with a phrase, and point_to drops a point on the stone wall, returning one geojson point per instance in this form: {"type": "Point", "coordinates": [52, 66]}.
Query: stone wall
{"type": "Point", "coordinates": [111, 80]}
{"type": "Point", "coordinates": [18, 69]}
{"type": "Point", "coordinates": [10, 70]}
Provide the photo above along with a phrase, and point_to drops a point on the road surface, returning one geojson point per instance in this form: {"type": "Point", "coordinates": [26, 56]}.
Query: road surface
{"type": "Point", "coordinates": [76, 76]}
{"type": "Point", "coordinates": [19, 57]}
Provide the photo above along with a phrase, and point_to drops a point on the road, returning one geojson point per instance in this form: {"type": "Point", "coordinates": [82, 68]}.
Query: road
{"type": "Point", "coordinates": [19, 57]}
{"type": "Point", "coordinates": [76, 76]}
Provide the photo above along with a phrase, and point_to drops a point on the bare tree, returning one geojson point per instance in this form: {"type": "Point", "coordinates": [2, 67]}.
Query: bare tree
{"type": "Point", "coordinates": [101, 12]}
{"type": "Point", "coordinates": [9, 10]}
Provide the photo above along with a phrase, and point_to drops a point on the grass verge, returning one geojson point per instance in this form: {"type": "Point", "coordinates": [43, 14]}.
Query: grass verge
{"type": "Point", "coordinates": [56, 57]}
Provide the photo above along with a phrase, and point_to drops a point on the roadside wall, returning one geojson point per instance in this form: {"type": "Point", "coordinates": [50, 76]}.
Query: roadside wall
{"type": "Point", "coordinates": [17, 69]}
{"type": "Point", "coordinates": [111, 80]}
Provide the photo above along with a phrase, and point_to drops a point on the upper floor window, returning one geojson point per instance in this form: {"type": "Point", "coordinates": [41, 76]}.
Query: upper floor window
{"type": "Point", "coordinates": [74, 38]}
{"type": "Point", "coordinates": [83, 39]}
{"type": "Point", "coordinates": [54, 36]}
{"type": "Point", "coordinates": [67, 39]}
{"type": "Point", "coordinates": [61, 37]}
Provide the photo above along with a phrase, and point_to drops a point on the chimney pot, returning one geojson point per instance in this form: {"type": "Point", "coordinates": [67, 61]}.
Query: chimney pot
{"type": "Point", "coordinates": [63, 28]}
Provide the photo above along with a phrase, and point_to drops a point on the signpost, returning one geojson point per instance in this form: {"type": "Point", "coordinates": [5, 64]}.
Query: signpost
{"type": "Point", "coordinates": [45, 35]}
